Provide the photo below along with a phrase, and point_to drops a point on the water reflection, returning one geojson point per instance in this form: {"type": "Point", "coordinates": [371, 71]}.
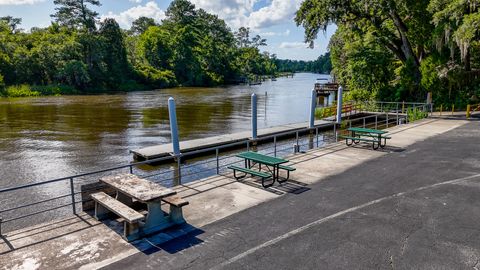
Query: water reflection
{"type": "Point", "coordinates": [50, 137]}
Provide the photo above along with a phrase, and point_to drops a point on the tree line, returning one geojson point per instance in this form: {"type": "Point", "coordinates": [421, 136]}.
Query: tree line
{"type": "Point", "coordinates": [400, 50]}
{"type": "Point", "coordinates": [78, 53]}
{"type": "Point", "coordinates": [322, 65]}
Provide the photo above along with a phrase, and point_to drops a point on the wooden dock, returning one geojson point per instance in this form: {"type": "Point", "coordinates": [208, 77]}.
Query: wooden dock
{"type": "Point", "coordinates": [164, 150]}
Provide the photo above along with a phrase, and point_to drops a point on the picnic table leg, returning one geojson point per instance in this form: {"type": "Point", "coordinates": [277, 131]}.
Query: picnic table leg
{"type": "Point", "coordinates": [156, 219]}
{"type": "Point", "coordinates": [127, 200]}
{"type": "Point", "coordinates": [377, 142]}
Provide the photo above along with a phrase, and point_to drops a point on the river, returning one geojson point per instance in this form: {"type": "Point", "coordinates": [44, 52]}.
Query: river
{"type": "Point", "coordinates": [51, 137]}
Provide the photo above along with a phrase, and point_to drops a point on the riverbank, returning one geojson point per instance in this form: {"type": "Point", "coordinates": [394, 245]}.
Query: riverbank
{"type": "Point", "coordinates": [223, 211]}
{"type": "Point", "coordinates": [26, 90]}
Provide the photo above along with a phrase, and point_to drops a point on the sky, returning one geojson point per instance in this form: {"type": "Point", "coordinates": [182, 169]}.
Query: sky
{"type": "Point", "coordinates": [272, 19]}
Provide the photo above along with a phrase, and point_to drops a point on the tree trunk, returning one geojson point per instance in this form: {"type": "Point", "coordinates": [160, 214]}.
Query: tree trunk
{"type": "Point", "coordinates": [406, 46]}
{"type": "Point", "coordinates": [467, 60]}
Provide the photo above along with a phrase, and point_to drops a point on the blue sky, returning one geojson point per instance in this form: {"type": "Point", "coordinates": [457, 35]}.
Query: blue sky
{"type": "Point", "coordinates": [272, 19]}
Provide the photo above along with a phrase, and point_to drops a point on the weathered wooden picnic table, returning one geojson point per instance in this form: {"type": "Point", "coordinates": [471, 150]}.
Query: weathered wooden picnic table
{"type": "Point", "coordinates": [272, 164]}
{"type": "Point", "coordinates": [367, 135]}
{"type": "Point", "coordinates": [130, 188]}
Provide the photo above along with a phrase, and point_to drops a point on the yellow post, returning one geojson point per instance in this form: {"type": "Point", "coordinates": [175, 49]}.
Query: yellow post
{"type": "Point", "coordinates": [468, 111]}
{"type": "Point", "coordinates": [453, 108]}
{"type": "Point", "coordinates": [441, 109]}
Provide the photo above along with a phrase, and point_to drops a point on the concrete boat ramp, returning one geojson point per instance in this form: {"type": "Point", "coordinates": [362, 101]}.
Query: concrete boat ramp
{"type": "Point", "coordinates": [165, 150]}
{"type": "Point", "coordinates": [334, 183]}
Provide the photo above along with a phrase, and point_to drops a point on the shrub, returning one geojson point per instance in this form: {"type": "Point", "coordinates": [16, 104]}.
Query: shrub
{"type": "Point", "coordinates": [21, 91]}
{"type": "Point", "coordinates": [156, 78]}
{"type": "Point", "coordinates": [415, 114]}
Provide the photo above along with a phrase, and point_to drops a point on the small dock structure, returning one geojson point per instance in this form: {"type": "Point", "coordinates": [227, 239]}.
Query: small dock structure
{"type": "Point", "coordinates": [165, 150]}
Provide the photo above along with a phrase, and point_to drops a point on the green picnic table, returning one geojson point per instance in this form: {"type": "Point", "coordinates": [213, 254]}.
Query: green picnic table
{"type": "Point", "coordinates": [374, 136]}
{"type": "Point", "coordinates": [272, 164]}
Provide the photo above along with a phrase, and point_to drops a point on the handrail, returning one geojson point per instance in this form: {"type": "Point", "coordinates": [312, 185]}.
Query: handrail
{"type": "Point", "coordinates": [217, 159]}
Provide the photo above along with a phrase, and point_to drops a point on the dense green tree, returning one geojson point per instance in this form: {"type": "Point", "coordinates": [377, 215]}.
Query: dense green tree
{"type": "Point", "coordinates": [189, 47]}
{"type": "Point", "coordinates": [115, 56]}
{"type": "Point", "coordinates": [401, 27]}
{"type": "Point", "coordinates": [140, 25]}
{"type": "Point", "coordinates": [156, 47]}
{"type": "Point", "coordinates": [76, 14]}
{"type": "Point", "coordinates": [12, 23]}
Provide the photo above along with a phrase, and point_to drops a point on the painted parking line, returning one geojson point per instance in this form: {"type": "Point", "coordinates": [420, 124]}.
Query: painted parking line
{"type": "Point", "coordinates": [328, 218]}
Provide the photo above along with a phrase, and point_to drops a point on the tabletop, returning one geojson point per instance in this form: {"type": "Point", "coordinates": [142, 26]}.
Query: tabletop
{"type": "Point", "coordinates": [367, 130]}
{"type": "Point", "coordinates": [268, 160]}
{"type": "Point", "coordinates": [137, 188]}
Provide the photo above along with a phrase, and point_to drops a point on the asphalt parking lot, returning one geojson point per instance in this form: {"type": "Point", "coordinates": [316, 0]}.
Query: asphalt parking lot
{"type": "Point", "coordinates": [418, 208]}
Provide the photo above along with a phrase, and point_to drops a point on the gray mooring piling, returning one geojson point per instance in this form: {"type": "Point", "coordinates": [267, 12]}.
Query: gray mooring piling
{"type": "Point", "coordinates": [173, 126]}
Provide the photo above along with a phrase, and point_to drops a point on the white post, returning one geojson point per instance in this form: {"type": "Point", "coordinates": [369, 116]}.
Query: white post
{"type": "Point", "coordinates": [254, 116]}
{"type": "Point", "coordinates": [173, 126]}
{"type": "Point", "coordinates": [313, 106]}
{"type": "Point", "coordinates": [339, 104]}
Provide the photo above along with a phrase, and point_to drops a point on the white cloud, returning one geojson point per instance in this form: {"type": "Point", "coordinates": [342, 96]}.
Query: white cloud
{"type": "Point", "coordinates": [271, 34]}
{"type": "Point", "coordinates": [136, 1]}
{"type": "Point", "coordinates": [19, 2]}
{"type": "Point", "coordinates": [293, 45]}
{"type": "Point", "coordinates": [125, 18]}
{"type": "Point", "coordinates": [239, 13]}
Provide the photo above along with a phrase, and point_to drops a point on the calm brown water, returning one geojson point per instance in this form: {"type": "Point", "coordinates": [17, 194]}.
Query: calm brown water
{"type": "Point", "coordinates": [51, 137]}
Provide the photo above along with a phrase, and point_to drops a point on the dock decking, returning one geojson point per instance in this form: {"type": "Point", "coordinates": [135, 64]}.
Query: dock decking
{"type": "Point", "coordinates": [164, 150]}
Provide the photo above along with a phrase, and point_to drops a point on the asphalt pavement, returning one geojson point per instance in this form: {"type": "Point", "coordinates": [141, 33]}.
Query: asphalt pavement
{"type": "Point", "coordinates": [415, 208]}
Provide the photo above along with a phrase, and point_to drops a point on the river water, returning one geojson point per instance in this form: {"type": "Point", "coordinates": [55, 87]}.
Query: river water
{"type": "Point", "coordinates": [51, 137]}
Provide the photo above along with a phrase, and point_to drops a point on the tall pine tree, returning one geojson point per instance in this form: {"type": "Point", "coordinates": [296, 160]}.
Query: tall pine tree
{"type": "Point", "coordinates": [76, 14]}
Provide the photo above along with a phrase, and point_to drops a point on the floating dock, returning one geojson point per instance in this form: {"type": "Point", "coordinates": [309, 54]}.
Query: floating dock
{"type": "Point", "coordinates": [164, 150]}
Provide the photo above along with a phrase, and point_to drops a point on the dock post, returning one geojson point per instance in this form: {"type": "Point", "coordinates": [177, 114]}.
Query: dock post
{"type": "Point", "coordinates": [173, 126]}
{"type": "Point", "coordinates": [254, 116]}
{"type": "Point", "coordinates": [313, 106]}
{"type": "Point", "coordinates": [339, 105]}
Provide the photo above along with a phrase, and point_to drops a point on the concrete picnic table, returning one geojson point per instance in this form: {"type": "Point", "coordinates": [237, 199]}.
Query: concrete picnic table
{"type": "Point", "coordinates": [130, 187]}
{"type": "Point", "coordinates": [257, 158]}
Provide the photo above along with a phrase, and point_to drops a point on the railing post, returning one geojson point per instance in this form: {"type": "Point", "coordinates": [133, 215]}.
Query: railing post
{"type": "Point", "coordinates": [218, 163]}
{"type": "Point", "coordinates": [397, 114]}
{"type": "Point", "coordinates": [316, 134]}
{"type": "Point", "coordinates": [248, 146]}
{"type": "Point", "coordinates": [339, 105]}
{"type": "Point", "coordinates": [376, 121]}
{"type": "Point", "coordinates": [131, 169]}
{"type": "Point", "coordinates": [312, 108]}
{"type": "Point", "coordinates": [468, 111]}
{"type": "Point", "coordinates": [364, 122]}
{"type": "Point", "coordinates": [1, 220]}
{"type": "Point", "coordinates": [387, 118]}
{"type": "Point", "coordinates": [296, 147]}
{"type": "Point", "coordinates": [275, 146]}
{"type": "Point", "coordinates": [335, 132]}
{"type": "Point", "coordinates": [72, 191]}
{"type": "Point", "coordinates": [179, 164]}
{"type": "Point", "coordinates": [254, 116]}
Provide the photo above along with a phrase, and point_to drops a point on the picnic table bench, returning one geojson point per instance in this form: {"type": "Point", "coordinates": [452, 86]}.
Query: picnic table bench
{"type": "Point", "coordinates": [272, 164]}
{"type": "Point", "coordinates": [375, 136]}
{"type": "Point", "coordinates": [131, 188]}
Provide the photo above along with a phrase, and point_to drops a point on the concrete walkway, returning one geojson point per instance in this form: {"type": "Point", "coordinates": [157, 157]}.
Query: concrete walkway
{"type": "Point", "coordinates": [318, 190]}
